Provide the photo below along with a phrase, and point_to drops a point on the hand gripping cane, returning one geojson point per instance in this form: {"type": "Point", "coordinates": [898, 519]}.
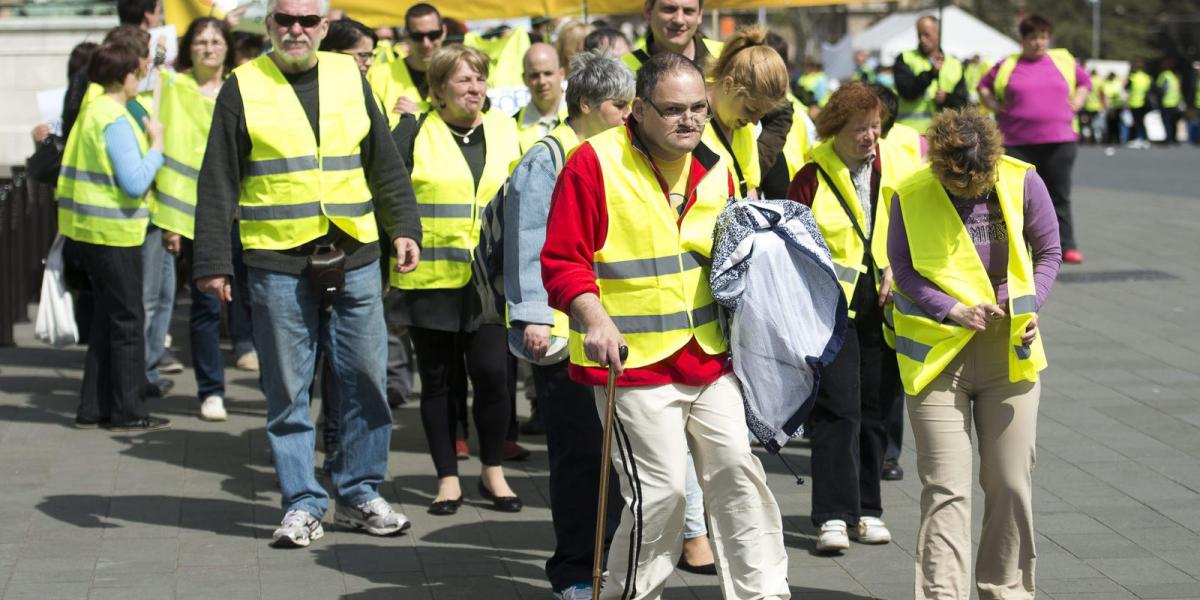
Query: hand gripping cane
{"type": "Point", "coordinates": [610, 391]}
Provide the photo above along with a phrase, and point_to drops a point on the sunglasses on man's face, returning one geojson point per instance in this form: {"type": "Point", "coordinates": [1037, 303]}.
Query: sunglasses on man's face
{"type": "Point", "coordinates": [420, 36]}
{"type": "Point", "coordinates": [305, 21]}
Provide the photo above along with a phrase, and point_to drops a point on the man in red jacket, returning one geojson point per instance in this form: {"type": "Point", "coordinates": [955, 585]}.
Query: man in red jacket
{"type": "Point", "coordinates": [627, 255]}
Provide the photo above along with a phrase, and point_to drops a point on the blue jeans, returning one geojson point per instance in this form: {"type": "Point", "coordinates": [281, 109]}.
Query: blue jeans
{"type": "Point", "coordinates": [204, 324]}
{"type": "Point", "coordinates": [240, 327]}
{"type": "Point", "coordinates": [158, 297]}
{"type": "Point", "coordinates": [353, 337]}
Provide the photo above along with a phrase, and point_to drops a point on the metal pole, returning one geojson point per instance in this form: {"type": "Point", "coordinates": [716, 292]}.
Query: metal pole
{"type": "Point", "coordinates": [762, 17]}
{"type": "Point", "coordinates": [1095, 29]}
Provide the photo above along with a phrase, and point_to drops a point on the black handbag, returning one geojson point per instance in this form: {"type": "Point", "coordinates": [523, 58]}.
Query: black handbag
{"type": "Point", "coordinates": [46, 161]}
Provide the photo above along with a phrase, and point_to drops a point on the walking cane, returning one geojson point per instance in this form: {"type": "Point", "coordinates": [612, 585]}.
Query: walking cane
{"type": "Point", "coordinates": [610, 391]}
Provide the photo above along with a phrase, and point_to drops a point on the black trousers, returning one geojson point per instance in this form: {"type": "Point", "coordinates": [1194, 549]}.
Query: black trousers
{"type": "Point", "coordinates": [1055, 163]}
{"type": "Point", "coordinates": [573, 438]}
{"type": "Point", "coordinates": [114, 374]}
{"type": "Point", "coordinates": [1112, 129]}
{"type": "Point", "coordinates": [1170, 117]}
{"type": "Point", "coordinates": [857, 393]}
{"type": "Point", "coordinates": [895, 429]}
{"type": "Point", "coordinates": [445, 360]}
{"type": "Point", "coordinates": [1139, 126]}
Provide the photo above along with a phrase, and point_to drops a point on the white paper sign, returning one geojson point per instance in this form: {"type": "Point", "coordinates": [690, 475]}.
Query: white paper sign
{"type": "Point", "coordinates": [50, 105]}
{"type": "Point", "coordinates": [508, 100]}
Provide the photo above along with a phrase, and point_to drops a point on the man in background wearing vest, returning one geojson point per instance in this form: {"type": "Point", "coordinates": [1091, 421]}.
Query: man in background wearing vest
{"type": "Point", "coordinates": [307, 199]}
{"type": "Point", "coordinates": [927, 80]}
{"type": "Point", "coordinates": [627, 253]}
{"type": "Point", "coordinates": [1138, 85]}
{"type": "Point", "coordinates": [401, 83]}
{"type": "Point", "coordinates": [543, 76]}
{"type": "Point", "coordinates": [1170, 99]}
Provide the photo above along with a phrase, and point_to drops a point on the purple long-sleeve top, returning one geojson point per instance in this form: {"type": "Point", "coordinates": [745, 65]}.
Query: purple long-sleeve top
{"type": "Point", "coordinates": [985, 225]}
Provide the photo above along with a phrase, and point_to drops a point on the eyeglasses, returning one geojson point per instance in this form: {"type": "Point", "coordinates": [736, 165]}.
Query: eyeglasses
{"type": "Point", "coordinates": [676, 114]}
{"type": "Point", "coordinates": [306, 21]}
{"type": "Point", "coordinates": [420, 36]}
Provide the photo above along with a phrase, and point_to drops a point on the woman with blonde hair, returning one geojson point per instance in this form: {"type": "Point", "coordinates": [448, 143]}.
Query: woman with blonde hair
{"type": "Point", "coordinates": [459, 156]}
{"type": "Point", "coordinates": [569, 41]}
{"type": "Point", "coordinates": [975, 249]}
{"type": "Point", "coordinates": [748, 80]}
{"type": "Point", "coordinates": [844, 183]}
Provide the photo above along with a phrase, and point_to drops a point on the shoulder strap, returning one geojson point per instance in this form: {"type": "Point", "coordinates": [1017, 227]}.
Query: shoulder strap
{"type": "Point", "coordinates": [641, 55]}
{"type": "Point", "coordinates": [557, 154]}
{"type": "Point", "coordinates": [412, 143]}
{"type": "Point", "coordinates": [846, 207]}
{"type": "Point", "coordinates": [733, 158]}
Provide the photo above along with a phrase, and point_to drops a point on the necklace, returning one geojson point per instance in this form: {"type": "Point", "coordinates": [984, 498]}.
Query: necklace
{"type": "Point", "coordinates": [466, 137]}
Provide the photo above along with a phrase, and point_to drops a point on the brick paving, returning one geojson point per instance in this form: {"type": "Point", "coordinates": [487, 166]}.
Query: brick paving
{"type": "Point", "coordinates": [187, 513]}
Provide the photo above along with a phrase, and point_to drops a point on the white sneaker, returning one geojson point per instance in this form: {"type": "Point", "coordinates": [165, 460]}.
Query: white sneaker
{"type": "Point", "coordinates": [871, 530]}
{"type": "Point", "coordinates": [832, 536]}
{"type": "Point", "coordinates": [580, 591]}
{"type": "Point", "coordinates": [297, 530]}
{"type": "Point", "coordinates": [375, 516]}
{"type": "Point", "coordinates": [247, 361]}
{"type": "Point", "coordinates": [213, 409]}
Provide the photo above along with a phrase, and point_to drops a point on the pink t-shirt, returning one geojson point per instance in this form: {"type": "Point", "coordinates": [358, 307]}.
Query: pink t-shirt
{"type": "Point", "coordinates": [1037, 101]}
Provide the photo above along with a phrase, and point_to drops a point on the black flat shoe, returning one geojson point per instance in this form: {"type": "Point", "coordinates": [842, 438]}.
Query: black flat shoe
{"type": "Point", "coordinates": [143, 424]}
{"type": "Point", "coordinates": [510, 504]}
{"type": "Point", "coordinates": [160, 388]}
{"type": "Point", "coordinates": [709, 569]}
{"type": "Point", "coordinates": [445, 507]}
{"type": "Point", "coordinates": [891, 471]}
{"type": "Point", "coordinates": [86, 423]}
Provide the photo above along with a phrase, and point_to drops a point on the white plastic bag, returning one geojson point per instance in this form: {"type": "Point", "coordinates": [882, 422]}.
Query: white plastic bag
{"type": "Point", "coordinates": [55, 323]}
{"type": "Point", "coordinates": [1155, 130]}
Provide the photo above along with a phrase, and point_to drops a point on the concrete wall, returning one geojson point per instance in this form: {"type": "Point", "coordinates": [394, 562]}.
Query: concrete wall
{"type": "Point", "coordinates": [33, 57]}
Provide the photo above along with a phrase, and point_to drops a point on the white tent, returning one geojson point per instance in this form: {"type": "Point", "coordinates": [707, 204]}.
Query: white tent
{"type": "Point", "coordinates": [963, 36]}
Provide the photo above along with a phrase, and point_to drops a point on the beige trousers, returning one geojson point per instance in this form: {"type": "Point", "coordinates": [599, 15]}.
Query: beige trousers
{"type": "Point", "coordinates": [653, 429]}
{"type": "Point", "coordinates": [974, 389]}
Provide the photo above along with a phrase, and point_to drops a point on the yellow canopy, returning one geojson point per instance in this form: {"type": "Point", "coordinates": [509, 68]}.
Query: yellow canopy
{"type": "Point", "coordinates": [377, 14]}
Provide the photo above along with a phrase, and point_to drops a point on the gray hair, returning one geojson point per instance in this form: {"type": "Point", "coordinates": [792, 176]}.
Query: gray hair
{"type": "Point", "coordinates": [597, 76]}
{"type": "Point", "coordinates": [322, 7]}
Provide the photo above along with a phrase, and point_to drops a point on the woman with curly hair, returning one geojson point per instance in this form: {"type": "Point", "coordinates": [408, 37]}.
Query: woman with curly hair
{"type": "Point", "coordinates": [845, 183]}
{"type": "Point", "coordinates": [974, 247]}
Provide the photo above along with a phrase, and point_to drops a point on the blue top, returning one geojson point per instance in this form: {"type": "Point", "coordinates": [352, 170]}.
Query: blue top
{"type": "Point", "coordinates": [527, 207]}
{"type": "Point", "coordinates": [135, 173]}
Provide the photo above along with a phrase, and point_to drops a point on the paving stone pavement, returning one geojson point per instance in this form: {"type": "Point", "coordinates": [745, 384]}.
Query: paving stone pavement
{"type": "Point", "coordinates": [187, 513]}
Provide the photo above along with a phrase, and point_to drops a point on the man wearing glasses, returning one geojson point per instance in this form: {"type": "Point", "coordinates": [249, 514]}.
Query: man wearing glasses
{"type": "Point", "coordinates": [627, 254]}
{"type": "Point", "coordinates": [301, 154]}
{"type": "Point", "coordinates": [401, 83]}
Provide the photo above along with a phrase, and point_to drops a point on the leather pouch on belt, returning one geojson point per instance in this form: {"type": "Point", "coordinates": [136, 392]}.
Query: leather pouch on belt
{"type": "Point", "coordinates": [327, 273]}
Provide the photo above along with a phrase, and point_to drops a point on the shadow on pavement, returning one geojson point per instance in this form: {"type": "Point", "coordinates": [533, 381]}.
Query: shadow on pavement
{"type": "Point", "coordinates": [223, 517]}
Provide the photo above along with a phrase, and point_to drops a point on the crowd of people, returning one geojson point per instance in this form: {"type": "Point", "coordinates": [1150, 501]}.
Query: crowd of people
{"type": "Point", "coordinates": [339, 190]}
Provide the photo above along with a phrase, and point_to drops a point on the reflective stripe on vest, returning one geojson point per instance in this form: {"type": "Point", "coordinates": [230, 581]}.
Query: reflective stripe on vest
{"type": "Point", "coordinates": [943, 253]}
{"type": "Point", "coordinates": [449, 201]}
{"type": "Point", "coordinates": [294, 187]}
{"type": "Point", "coordinates": [392, 81]}
{"type": "Point", "coordinates": [186, 115]}
{"type": "Point", "coordinates": [918, 113]}
{"type": "Point", "coordinates": [92, 208]}
{"type": "Point", "coordinates": [653, 268]}
{"type": "Point", "coordinates": [743, 160]}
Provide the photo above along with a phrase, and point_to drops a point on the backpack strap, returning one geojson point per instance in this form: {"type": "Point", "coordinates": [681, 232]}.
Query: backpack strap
{"type": "Point", "coordinates": [412, 143]}
{"type": "Point", "coordinates": [557, 153]}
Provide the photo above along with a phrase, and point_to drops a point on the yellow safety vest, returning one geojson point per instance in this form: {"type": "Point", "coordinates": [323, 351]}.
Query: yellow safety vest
{"type": "Point", "coordinates": [1112, 93]}
{"type": "Point", "coordinates": [186, 115]}
{"type": "Point", "coordinates": [506, 56]}
{"type": "Point", "coordinates": [449, 201]}
{"type": "Point", "coordinates": [796, 146]}
{"type": "Point", "coordinates": [1094, 102]}
{"type": "Point", "coordinates": [943, 253]}
{"type": "Point", "coordinates": [383, 53]}
{"type": "Point", "coordinates": [906, 141]}
{"type": "Point", "coordinates": [1172, 95]}
{"type": "Point", "coordinates": [530, 135]}
{"type": "Point", "coordinates": [294, 187]}
{"type": "Point", "coordinates": [91, 206]}
{"type": "Point", "coordinates": [392, 81]}
{"type": "Point", "coordinates": [641, 53]}
{"type": "Point", "coordinates": [653, 268]}
{"type": "Point", "coordinates": [918, 113]}
{"type": "Point", "coordinates": [743, 160]}
{"type": "Point", "coordinates": [1139, 86]}
{"type": "Point", "coordinates": [565, 136]}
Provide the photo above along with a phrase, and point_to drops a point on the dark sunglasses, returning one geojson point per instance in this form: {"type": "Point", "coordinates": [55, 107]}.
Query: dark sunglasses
{"type": "Point", "coordinates": [305, 21]}
{"type": "Point", "coordinates": [420, 36]}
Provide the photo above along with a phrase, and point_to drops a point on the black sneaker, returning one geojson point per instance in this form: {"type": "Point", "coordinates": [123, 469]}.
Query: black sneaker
{"type": "Point", "coordinates": [86, 423]}
{"type": "Point", "coordinates": [160, 388]}
{"type": "Point", "coordinates": [143, 424]}
{"type": "Point", "coordinates": [169, 364]}
{"type": "Point", "coordinates": [891, 471]}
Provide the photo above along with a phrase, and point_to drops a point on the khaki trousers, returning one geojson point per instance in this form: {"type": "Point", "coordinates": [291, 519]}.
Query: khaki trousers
{"type": "Point", "coordinates": [653, 430]}
{"type": "Point", "coordinates": [974, 388]}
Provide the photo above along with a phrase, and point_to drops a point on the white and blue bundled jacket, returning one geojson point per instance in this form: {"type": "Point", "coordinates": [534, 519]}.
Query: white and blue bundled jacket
{"type": "Point", "coordinates": [773, 272]}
